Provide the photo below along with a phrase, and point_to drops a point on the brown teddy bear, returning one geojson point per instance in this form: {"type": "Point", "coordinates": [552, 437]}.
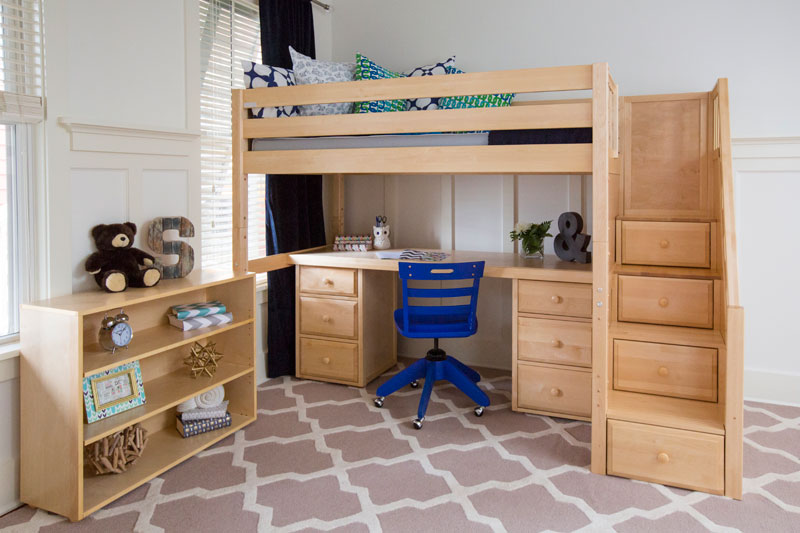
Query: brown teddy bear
{"type": "Point", "coordinates": [116, 264]}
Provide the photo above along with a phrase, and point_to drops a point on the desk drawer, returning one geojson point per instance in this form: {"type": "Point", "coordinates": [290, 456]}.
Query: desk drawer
{"type": "Point", "coordinates": [678, 244]}
{"type": "Point", "coordinates": [665, 455]}
{"type": "Point", "coordinates": [329, 317]}
{"type": "Point", "coordinates": [335, 281]}
{"type": "Point", "coordinates": [554, 341]}
{"type": "Point", "coordinates": [665, 369]}
{"type": "Point", "coordinates": [667, 301]}
{"type": "Point", "coordinates": [555, 390]}
{"type": "Point", "coordinates": [328, 359]}
{"type": "Point", "coordinates": [555, 298]}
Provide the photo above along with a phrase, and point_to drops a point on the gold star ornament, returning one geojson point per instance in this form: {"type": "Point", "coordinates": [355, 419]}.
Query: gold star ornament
{"type": "Point", "coordinates": [203, 359]}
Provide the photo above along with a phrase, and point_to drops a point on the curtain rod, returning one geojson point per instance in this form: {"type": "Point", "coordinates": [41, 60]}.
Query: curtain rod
{"type": "Point", "coordinates": [323, 5]}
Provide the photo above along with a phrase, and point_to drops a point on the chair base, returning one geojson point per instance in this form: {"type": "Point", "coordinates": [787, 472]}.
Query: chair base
{"type": "Point", "coordinates": [436, 365]}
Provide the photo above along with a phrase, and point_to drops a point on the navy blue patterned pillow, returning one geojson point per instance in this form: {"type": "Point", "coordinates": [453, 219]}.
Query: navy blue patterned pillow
{"type": "Point", "coordinates": [256, 75]}
{"type": "Point", "coordinates": [427, 104]}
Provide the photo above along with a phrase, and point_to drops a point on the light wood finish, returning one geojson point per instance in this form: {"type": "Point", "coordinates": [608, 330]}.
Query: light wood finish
{"type": "Point", "coordinates": [669, 456]}
{"type": "Point", "coordinates": [554, 341]}
{"type": "Point", "coordinates": [705, 417]}
{"type": "Point", "coordinates": [666, 369]}
{"type": "Point", "coordinates": [570, 78]}
{"type": "Point", "coordinates": [555, 298]}
{"type": "Point", "coordinates": [329, 317]}
{"type": "Point", "coordinates": [682, 244]}
{"type": "Point", "coordinates": [566, 115]}
{"type": "Point", "coordinates": [333, 281]}
{"type": "Point", "coordinates": [554, 389]}
{"type": "Point", "coordinates": [377, 320]}
{"type": "Point", "coordinates": [329, 359]}
{"type": "Point", "coordinates": [707, 338]}
{"type": "Point", "coordinates": [734, 401]}
{"type": "Point", "coordinates": [668, 301]}
{"type": "Point", "coordinates": [496, 159]}
{"type": "Point", "coordinates": [666, 169]}
{"type": "Point", "coordinates": [52, 427]}
{"type": "Point", "coordinates": [277, 261]}
{"type": "Point", "coordinates": [239, 192]}
{"type": "Point", "coordinates": [498, 265]}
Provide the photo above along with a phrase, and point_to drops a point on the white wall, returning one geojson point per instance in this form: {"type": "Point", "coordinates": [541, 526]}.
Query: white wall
{"type": "Point", "coordinates": [652, 47]}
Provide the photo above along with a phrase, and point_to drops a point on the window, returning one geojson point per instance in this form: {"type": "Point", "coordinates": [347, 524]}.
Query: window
{"type": "Point", "coordinates": [20, 106]}
{"type": "Point", "coordinates": [229, 33]}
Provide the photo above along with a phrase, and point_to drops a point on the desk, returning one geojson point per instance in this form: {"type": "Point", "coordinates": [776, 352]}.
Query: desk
{"type": "Point", "coordinates": [345, 329]}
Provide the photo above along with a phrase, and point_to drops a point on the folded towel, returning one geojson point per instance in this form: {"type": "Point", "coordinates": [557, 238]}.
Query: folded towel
{"type": "Point", "coordinates": [210, 398]}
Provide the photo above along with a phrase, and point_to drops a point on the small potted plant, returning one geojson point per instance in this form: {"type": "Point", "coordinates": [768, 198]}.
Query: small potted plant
{"type": "Point", "coordinates": [531, 237]}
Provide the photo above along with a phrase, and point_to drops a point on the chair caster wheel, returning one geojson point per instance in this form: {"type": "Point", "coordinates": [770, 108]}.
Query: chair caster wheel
{"type": "Point", "coordinates": [417, 423]}
{"type": "Point", "coordinates": [414, 384]}
{"type": "Point", "coordinates": [378, 401]}
{"type": "Point", "coordinates": [479, 410]}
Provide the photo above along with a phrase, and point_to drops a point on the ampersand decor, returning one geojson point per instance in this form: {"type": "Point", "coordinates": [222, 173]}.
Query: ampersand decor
{"type": "Point", "coordinates": [570, 244]}
{"type": "Point", "coordinates": [185, 253]}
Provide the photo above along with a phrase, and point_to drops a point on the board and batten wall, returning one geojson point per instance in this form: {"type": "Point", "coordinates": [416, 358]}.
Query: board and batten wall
{"type": "Point", "coordinates": [652, 47]}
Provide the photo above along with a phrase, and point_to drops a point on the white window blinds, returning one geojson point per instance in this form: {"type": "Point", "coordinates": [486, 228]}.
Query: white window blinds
{"type": "Point", "coordinates": [229, 33]}
{"type": "Point", "coordinates": [21, 73]}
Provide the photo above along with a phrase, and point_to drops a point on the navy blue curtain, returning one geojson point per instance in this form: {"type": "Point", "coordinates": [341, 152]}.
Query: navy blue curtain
{"type": "Point", "coordinates": [294, 203]}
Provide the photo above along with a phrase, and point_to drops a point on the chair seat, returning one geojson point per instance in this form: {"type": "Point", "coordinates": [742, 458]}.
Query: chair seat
{"type": "Point", "coordinates": [449, 324]}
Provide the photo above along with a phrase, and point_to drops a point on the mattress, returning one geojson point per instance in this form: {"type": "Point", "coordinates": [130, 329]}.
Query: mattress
{"type": "Point", "coordinates": [371, 141]}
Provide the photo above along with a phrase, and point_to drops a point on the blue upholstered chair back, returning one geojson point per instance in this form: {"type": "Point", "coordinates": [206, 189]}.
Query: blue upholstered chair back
{"type": "Point", "coordinates": [439, 321]}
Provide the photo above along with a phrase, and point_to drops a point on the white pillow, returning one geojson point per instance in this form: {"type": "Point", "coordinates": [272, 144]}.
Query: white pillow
{"type": "Point", "coordinates": [309, 71]}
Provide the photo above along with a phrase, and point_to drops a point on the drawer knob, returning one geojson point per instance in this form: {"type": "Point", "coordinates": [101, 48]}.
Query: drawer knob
{"type": "Point", "coordinates": [663, 458]}
{"type": "Point", "coordinates": [556, 299]}
{"type": "Point", "coordinates": [663, 371]}
{"type": "Point", "coordinates": [326, 318]}
{"type": "Point", "coordinates": [326, 360]}
{"type": "Point", "coordinates": [663, 302]}
{"type": "Point", "coordinates": [555, 392]}
{"type": "Point", "coordinates": [556, 343]}
{"type": "Point", "coordinates": [327, 281]}
{"type": "Point", "coordinates": [664, 243]}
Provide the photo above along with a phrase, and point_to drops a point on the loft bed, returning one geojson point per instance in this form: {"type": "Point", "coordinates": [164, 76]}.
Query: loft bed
{"type": "Point", "coordinates": [382, 143]}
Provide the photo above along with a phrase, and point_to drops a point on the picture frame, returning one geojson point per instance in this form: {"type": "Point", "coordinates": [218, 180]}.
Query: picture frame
{"type": "Point", "coordinates": [113, 391]}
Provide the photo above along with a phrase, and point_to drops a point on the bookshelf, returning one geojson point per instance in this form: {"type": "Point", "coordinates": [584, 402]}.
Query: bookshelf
{"type": "Point", "coordinates": [59, 348]}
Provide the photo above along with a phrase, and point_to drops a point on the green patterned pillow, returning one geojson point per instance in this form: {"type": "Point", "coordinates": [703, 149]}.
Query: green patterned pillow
{"type": "Point", "coordinates": [369, 70]}
{"type": "Point", "coordinates": [478, 100]}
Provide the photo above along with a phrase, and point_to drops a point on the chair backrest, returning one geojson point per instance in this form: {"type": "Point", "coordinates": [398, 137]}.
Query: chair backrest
{"type": "Point", "coordinates": [441, 272]}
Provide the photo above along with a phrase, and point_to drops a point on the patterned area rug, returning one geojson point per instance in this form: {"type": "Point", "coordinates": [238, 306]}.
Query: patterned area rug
{"type": "Point", "coordinates": [321, 457]}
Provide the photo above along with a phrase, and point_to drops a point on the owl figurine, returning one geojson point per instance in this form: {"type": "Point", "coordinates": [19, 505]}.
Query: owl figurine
{"type": "Point", "coordinates": [381, 241]}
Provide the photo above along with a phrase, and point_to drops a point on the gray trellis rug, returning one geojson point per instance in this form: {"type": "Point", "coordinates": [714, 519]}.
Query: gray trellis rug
{"type": "Point", "coordinates": [320, 457]}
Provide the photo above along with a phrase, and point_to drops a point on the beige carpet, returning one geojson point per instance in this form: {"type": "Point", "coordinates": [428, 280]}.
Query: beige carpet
{"type": "Point", "coordinates": [321, 457]}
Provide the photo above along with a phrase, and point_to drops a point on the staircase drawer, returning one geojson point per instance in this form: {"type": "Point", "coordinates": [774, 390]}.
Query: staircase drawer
{"type": "Point", "coordinates": [554, 341]}
{"type": "Point", "coordinates": [666, 369]}
{"type": "Point", "coordinates": [664, 455]}
{"type": "Point", "coordinates": [677, 244]}
{"type": "Point", "coordinates": [667, 301]}
{"type": "Point", "coordinates": [555, 298]}
{"type": "Point", "coordinates": [328, 359]}
{"type": "Point", "coordinates": [328, 317]}
{"type": "Point", "coordinates": [554, 390]}
{"type": "Point", "coordinates": [334, 281]}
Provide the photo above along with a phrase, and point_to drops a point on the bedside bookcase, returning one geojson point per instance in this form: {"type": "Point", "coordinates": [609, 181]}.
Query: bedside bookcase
{"type": "Point", "coordinates": [59, 348]}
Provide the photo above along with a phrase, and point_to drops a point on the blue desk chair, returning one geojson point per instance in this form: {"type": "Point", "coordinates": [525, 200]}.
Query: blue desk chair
{"type": "Point", "coordinates": [436, 322]}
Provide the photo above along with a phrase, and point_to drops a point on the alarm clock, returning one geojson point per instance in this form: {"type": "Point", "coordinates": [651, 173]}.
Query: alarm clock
{"type": "Point", "coordinates": [115, 332]}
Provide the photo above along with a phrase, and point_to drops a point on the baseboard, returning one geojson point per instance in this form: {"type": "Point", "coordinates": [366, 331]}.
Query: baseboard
{"type": "Point", "coordinates": [9, 485]}
{"type": "Point", "coordinates": [771, 387]}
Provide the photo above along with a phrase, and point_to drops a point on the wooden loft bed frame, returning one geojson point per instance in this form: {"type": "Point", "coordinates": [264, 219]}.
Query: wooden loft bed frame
{"type": "Point", "coordinates": [606, 113]}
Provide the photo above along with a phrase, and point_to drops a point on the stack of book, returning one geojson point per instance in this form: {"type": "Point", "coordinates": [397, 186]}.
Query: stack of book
{"type": "Point", "coordinates": [199, 315]}
{"type": "Point", "coordinates": [205, 412]}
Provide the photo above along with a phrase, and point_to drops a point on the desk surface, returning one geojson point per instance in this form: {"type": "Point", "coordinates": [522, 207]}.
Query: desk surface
{"type": "Point", "coordinates": [498, 265]}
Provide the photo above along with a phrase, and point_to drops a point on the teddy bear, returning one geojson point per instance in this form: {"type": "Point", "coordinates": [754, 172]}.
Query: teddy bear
{"type": "Point", "coordinates": [116, 264]}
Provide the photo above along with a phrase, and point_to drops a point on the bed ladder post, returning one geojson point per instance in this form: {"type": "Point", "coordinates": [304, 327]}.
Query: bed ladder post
{"type": "Point", "coordinates": [239, 189]}
{"type": "Point", "coordinates": [601, 95]}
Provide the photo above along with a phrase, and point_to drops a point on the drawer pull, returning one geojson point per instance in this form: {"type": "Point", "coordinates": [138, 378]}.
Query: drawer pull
{"type": "Point", "coordinates": [663, 371]}
{"type": "Point", "coordinates": [662, 458]}
{"type": "Point", "coordinates": [557, 299]}
{"type": "Point", "coordinates": [664, 243]}
{"type": "Point", "coordinates": [327, 281]}
{"type": "Point", "coordinates": [663, 302]}
{"type": "Point", "coordinates": [555, 391]}
{"type": "Point", "coordinates": [326, 360]}
{"type": "Point", "coordinates": [556, 343]}
{"type": "Point", "coordinates": [326, 318]}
